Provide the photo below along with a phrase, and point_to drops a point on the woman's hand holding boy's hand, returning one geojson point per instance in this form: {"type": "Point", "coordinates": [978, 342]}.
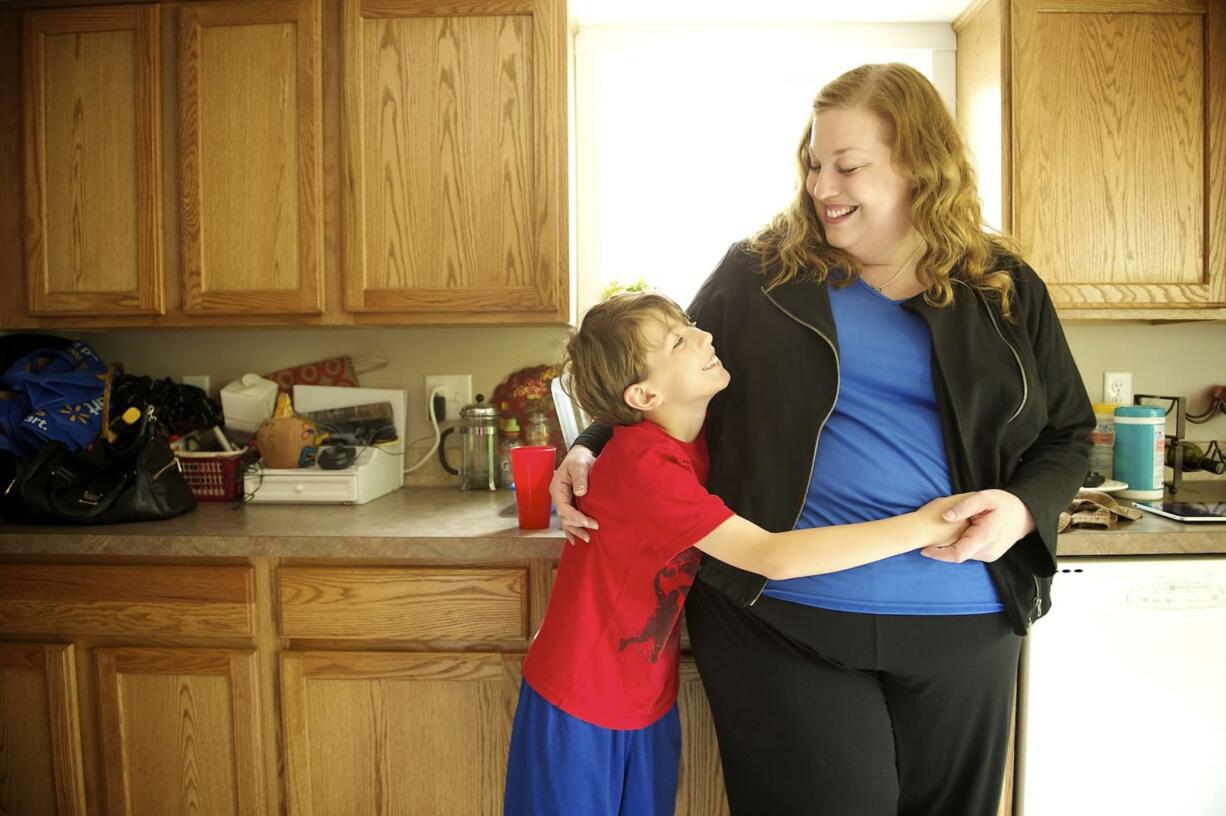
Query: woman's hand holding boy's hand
{"type": "Point", "coordinates": [937, 531]}
{"type": "Point", "coordinates": [997, 520]}
{"type": "Point", "coordinates": [570, 480]}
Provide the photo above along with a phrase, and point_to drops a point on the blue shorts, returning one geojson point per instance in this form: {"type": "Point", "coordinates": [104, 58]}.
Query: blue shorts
{"type": "Point", "coordinates": [559, 764]}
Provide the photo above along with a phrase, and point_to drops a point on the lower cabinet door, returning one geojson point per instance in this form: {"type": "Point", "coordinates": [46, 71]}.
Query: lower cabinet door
{"type": "Point", "coordinates": [40, 738]}
{"type": "Point", "coordinates": [381, 732]}
{"type": "Point", "coordinates": [180, 731]}
{"type": "Point", "coordinates": [700, 786]}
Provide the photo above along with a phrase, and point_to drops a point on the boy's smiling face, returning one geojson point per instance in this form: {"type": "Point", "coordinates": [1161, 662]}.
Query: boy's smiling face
{"type": "Point", "coordinates": [682, 369]}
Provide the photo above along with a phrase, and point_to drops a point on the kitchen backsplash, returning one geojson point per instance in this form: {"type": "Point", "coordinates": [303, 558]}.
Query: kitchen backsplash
{"type": "Point", "coordinates": [1175, 359]}
{"type": "Point", "coordinates": [1183, 358]}
{"type": "Point", "coordinates": [488, 354]}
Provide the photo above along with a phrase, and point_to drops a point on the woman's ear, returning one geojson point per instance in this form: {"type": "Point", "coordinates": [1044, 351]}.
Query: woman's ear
{"type": "Point", "coordinates": [641, 397]}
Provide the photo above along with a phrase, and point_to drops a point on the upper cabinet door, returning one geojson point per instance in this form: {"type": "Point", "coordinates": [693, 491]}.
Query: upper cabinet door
{"type": "Point", "coordinates": [93, 223]}
{"type": "Point", "coordinates": [1119, 165]}
{"type": "Point", "coordinates": [250, 128]}
{"type": "Point", "coordinates": [454, 138]}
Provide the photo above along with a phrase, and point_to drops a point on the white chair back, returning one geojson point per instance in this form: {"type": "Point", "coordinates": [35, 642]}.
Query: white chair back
{"type": "Point", "coordinates": [571, 417]}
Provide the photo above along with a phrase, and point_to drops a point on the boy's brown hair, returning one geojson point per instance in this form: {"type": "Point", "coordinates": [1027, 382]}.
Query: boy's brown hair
{"type": "Point", "coordinates": [608, 353]}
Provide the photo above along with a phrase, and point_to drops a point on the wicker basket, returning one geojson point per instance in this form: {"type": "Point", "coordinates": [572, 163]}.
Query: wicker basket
{"type": "Point", "coordinates": [213, 476]}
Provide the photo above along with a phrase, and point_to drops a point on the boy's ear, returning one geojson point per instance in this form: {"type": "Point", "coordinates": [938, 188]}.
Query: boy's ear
{"type": "Point", "coordinates": [641, 397]}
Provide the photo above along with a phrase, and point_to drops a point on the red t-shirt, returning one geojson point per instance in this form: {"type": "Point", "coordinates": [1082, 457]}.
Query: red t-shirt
{"type": "Point", "coordinates": [607, 651]}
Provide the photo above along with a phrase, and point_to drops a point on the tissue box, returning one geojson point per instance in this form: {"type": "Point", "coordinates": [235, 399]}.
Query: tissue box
{"type": "Point", "coordinates": [248, 401]}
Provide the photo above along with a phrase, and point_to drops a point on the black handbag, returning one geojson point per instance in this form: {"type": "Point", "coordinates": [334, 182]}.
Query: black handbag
{"type": "Point", "coordinates": [135, 478]}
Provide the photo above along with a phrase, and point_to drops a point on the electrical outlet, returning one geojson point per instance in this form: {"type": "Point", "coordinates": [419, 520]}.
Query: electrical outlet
{"type": "Point", "coordinates": [1117, 387]}
{"type": "Point", "coordinates": [457, 391]}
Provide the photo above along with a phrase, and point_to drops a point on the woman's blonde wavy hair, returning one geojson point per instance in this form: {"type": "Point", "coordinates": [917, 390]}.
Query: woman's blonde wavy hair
{"type": "Point", "coordinates": [927, 149]}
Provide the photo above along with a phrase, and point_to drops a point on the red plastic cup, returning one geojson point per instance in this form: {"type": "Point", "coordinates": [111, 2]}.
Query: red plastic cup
{"type": "Point", "coordinates": [532, 468]}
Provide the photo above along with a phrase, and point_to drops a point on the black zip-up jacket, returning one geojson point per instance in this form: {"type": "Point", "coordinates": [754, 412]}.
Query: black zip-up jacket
{"type": "Point", "coordinates": [1014, 411]}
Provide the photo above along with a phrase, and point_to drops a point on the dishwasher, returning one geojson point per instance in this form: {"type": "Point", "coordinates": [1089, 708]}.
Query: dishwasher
{"type": "Point", "coordinates": [1122, 697]}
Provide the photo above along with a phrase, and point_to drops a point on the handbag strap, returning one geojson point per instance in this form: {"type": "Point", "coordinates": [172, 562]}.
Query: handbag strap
{"type": "Point", "coordinates": [88, 504]}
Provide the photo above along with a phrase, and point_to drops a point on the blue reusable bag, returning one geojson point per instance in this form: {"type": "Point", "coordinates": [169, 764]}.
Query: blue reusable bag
{"type": "Point", "coordinates": [51, 394]}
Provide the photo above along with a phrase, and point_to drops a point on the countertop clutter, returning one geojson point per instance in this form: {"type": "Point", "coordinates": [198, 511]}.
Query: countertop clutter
{"type": "Point", "coordinates": [1153, 535]}
{"type": "Point", "coordinates": [448, 524]}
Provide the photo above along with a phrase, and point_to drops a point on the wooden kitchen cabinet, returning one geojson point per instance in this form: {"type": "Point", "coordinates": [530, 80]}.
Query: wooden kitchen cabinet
{"type": "Point", "coordinates": [180, 731]}
{"type": "Point", "coordinates": [127, 601]}
{"type": "Point", "coordinates": [1105, 121]}
{"type": "Point", "coordinates": [700, 783]}
{"type": "Point", "coordinates": [159, 661]}
{"type": "Point", "coordinates": [327, 162]}
{"type": "Point", "coordinates": [40, 743]}
{"type": "Point", "coordinates": [394, 732]}
{"type": "Point", "coordinates": [370, 732]}
{"type": "Point", "coordinates": [404, 604]}
{"type": "Point", "coordinates": [268, 686]}
{"type": "Point", "coordinates": [358, 716]}
{"type": "Point", "coordinates": [382, 732]}
{"type": "Point", "coordinates": [92, 208]}
{"type": "Point", "coordinates": [453, 125]}
{"type": "Point", "coordinates": [251, 157]}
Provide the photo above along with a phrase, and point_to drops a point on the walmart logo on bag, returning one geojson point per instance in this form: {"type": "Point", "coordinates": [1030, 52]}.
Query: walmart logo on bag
{"type": "Point", "coordinates": [51, 394]}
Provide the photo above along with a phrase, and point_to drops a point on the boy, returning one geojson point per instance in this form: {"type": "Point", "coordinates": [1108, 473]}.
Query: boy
{"type": "Point", "coordinates": [597, 730]}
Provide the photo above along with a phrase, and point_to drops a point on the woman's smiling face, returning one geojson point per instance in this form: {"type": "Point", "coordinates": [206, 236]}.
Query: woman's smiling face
{"type": "Point", "coordinates": [863, 201]}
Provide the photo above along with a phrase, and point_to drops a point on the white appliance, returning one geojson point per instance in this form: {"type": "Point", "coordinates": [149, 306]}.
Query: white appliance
{"type": "Point", "coordinates": [1123, 693]}
{"type": "Point", "coordinates": [378, 469]}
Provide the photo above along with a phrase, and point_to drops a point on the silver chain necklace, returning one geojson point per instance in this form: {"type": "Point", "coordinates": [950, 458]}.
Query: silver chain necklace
{"type": "Point", "coordinates": [901, 269]}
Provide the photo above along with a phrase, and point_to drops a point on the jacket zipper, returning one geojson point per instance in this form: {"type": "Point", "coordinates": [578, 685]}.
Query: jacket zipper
{"type": "Point", "coordinates": [1017, 358]}
{"type": "Point", "coordinates": [1036, 609]}
{"type": "Point", "coordinates": [838, 382]}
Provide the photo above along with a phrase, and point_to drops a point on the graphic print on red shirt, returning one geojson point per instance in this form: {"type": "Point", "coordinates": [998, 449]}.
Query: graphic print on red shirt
{"type": "Point", "coordinates": [608, 649]}
{"type": "Point", "coordinates": [672, 583]}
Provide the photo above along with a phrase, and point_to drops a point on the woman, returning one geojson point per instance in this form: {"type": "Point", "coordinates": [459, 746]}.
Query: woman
{"type": "Point", "coordinates": [884, 350]}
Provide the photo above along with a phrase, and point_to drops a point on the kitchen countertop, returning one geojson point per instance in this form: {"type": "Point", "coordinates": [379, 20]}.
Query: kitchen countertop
{"type": "Point", "coordinates": [447, 525]}
{"type": "Point", "coordinates": [442, 524]}
{"type": "Point", "coordinates": [1154, 535]}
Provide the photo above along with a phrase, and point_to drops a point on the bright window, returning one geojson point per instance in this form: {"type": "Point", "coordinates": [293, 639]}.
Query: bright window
{"type": "Point", "coordinates": [684, 135]}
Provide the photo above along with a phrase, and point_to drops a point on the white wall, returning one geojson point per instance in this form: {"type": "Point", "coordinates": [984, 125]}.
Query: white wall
{"type": "Point", "coordinates": [1174, 359]}
{"type": "Point", "coordinates": [1185, 358]}
{"type": "Point", "coordinates": [488, 354]}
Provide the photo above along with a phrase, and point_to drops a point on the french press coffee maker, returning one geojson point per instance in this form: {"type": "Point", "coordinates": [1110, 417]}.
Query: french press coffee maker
{"type": "Point", "coordinates": [478, 447]}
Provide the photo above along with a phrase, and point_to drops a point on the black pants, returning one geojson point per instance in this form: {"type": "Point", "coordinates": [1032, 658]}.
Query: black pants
{"type": "Point", "coordinates": [844, 714]}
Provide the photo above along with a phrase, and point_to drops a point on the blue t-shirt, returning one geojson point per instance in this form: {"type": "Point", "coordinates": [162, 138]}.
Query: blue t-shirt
{"type": "Point", "coordinates": [882, 453]}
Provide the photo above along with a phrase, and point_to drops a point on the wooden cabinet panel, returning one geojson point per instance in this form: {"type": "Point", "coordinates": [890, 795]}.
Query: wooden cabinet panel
{"type": "Point", "coordinates": [40, 743]}
{"type": "Point", "coordinates": [397, 733]}
{"type": "Point", "coordinates": [451, 202]}
{"type": "Point", "coordinates": [1110, 196]}
{"type": "Point", "coordinates": [1115, 181]}
{"type": "Point", "coordinates": [250, 157]}
{"type": "Point", "coordinates": [700, 787]}
{"type": "Point", "coordinates": [127, 600]}
{"type": "Point", "coordinates": [984, 106]}
{"type": "Point", "coordinates": [453, 130]}
{"type": "Point", "coordinates": [93, 182]}
{"type": "Point", "coordinates": [366, 603]}
{"type": "Point", "coordinates": [180, 730]}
